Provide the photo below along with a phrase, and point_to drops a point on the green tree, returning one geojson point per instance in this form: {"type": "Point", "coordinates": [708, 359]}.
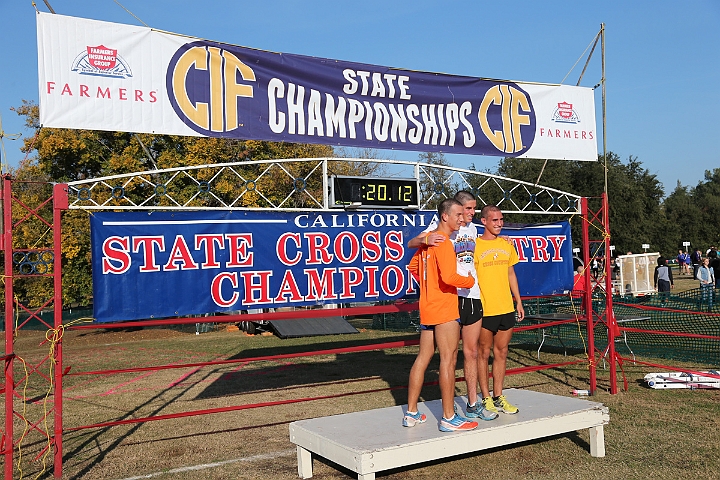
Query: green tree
{"type": "Point", "coordinates": [436, 184]}
{"type": "Point", "coordinates": [634, 196]}
{"type": "Point", "coordinates": [694, 212]}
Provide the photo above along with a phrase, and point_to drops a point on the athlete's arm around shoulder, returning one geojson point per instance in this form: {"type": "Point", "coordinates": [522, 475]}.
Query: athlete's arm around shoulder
{"type": "Point", "coordinates": [426, 239]}
{"type": "Point", "coordinates": [447, 264]}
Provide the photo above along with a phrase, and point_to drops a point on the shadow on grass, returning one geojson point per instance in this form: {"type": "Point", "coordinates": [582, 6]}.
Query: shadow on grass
{"type": "Point", "coordinates": [390, 366]}
{"type": "Point", "coordinates": [300, 372]}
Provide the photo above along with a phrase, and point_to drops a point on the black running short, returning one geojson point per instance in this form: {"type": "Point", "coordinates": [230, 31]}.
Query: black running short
{"type": "Point", "coordinates": [506, 321]}
{"type": "Point", "coordinates": [471, 310]}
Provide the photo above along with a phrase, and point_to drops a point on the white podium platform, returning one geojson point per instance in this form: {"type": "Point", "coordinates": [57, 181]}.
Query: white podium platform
{"type": "Point", "coordinates": [374, 440]}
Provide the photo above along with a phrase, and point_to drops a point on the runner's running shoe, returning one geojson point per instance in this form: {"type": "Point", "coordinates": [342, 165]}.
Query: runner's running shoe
{"type": "Point", "coordinates": [488, 405]}
{"type": "Point", "coordinates": [503, 405]}
{"type": "Point", "coordinates": [411, 419]}
{"type": "Point", "coordinates": [456, 423]}
{"type": "Point", "coordinates": [477, 410]}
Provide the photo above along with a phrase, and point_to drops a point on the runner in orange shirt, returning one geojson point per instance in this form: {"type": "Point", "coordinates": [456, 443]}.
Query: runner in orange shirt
{"type": "Point", "coordinates": [436, 269]}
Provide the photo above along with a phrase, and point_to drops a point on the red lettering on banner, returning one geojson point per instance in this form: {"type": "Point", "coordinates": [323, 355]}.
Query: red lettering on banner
{"type": "Point", "coordinates": [102, 92]}
{"type": "Point", "coordinates": [239, 244]}
{"type": "Point", "coordinates": [411, 283]}
{"type": "Point", "coordinates": [539, 249]}
{"type": "Point", "coordinates": [318, 249]}
{"type": "Point", "coordinates": [571, 134]}
{"type": "Point", "coordinates": [281, 248]}
{"type": "Point", "coordinates": [289, 288]}
{"type": "Point", "coordinates": [180, 253]}
{"type": "Point", "coordinates": [354, 247]}
{"type": "Point", "coordinates": [371, 247]}
{"type": "Point", "coordinates": [147, 246]}
{"type": "Point", "coordinates": [256, 282]}
{"type": "Point", "coordinates": [557, 241]}
{"type": "Point", "coordinates": [519, 242]}
{"type": "Point", "coordinates": [351, 277]}
{"type": "Point", "coordinates": [394, 249]}
{"type": "Point", "coordinates": [116, 260]}
{"type": "Point", "coordinates": [372, 289]}
{"type": "Point", "coordinates": [216, 289]}
{"type": "Point", "coordinates": [385, 280]}
{"type": "Point", "coordinates": [210, 241]}
{"type": "Point", "coordinates": [320, 288]}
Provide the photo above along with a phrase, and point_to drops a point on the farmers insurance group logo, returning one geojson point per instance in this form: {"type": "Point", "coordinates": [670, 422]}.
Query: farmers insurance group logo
{"type": "Point", "coordinates": [221, 77]}
{"type": "Point", "coordinates": [101, 61]}
{"type": "Point", "coordinates": [565, 113]}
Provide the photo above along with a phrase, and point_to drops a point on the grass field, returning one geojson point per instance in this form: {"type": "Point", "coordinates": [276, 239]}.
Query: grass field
{"type": "Point", "coordinates": [664, 434]}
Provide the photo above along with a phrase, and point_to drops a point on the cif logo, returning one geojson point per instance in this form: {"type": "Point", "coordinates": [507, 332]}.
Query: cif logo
{"type": "Point", "coordinates": [508, 107]}
{"type": "Point", "coordinates": [204, 82]}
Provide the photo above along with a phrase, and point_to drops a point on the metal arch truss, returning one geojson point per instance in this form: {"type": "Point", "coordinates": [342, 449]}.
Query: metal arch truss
{"type": "Point", "coordinates": [303, 184]}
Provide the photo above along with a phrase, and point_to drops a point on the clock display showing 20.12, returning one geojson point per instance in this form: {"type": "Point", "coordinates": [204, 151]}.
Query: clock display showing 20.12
{"type": "Point", "coordinates": [374, 191]}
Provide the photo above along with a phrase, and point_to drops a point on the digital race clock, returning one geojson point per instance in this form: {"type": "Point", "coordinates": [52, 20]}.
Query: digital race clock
{"type": "Point", "coordinates": [376, 192]}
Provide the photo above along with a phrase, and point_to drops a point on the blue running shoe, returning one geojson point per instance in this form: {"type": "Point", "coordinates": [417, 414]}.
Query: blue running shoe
{"type": "Point", "coordinates": [478, 410]}
{"type": "Point", "coordinates": [412, 419]}
{"type": "Point", "coordinates": [456, 423]}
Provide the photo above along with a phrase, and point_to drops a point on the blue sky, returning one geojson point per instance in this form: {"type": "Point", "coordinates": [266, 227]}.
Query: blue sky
{"type": "Point", "coordinates": [662, 57]}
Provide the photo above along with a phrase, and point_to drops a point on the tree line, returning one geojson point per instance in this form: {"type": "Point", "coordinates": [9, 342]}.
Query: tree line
{"type": "Point", "coordinates": [639, 211]}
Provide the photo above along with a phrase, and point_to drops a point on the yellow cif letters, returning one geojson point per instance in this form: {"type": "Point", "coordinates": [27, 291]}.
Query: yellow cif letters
{"type": "Point", "coordinates": [221, 115]}
{"type": "Point", "coordinates": [511, 101]}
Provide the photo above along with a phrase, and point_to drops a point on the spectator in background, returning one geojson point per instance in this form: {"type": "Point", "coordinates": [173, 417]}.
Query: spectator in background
{"type": "Point", "coordinates": [707, 283]}
{"type": "Point", "coordinates": [594, 267]}
{"type": "Point", "coordinates": [579, 283]}
{"type": "Point", "coordinates": [615, 275]}
{"type": "Point", "coordinates": [696, 260]}
{"type": "Point", "coordinates": [614, 269]}
{"type": "Point", "coordinates": [715, 266]}
{"type": "Point", "coordinates": [684, 262]}
{"type": "Point", "coordinates": [663, 279]}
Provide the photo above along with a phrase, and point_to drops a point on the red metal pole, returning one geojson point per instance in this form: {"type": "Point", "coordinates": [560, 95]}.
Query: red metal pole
{"type": "Point", "coordinates": [60, 203]}
{"type": "Point", "coordinates": [9, 325]}
{"type": "Point", "coordinates": [587, 296]}
{"type": "Point", "coordinates": [609, 312]}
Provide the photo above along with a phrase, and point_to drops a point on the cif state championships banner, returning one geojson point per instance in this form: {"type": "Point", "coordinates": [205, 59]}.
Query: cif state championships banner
{"type": "Point", "coordinates": [165, 264]}
{"type": "Point", "coordinates": [107, 76]}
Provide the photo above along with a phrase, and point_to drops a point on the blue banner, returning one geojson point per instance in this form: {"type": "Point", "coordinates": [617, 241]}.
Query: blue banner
{"type": "Point", "coordinates": [166, 264]}
{"type": "Point", "coordinates": [545, 257]}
